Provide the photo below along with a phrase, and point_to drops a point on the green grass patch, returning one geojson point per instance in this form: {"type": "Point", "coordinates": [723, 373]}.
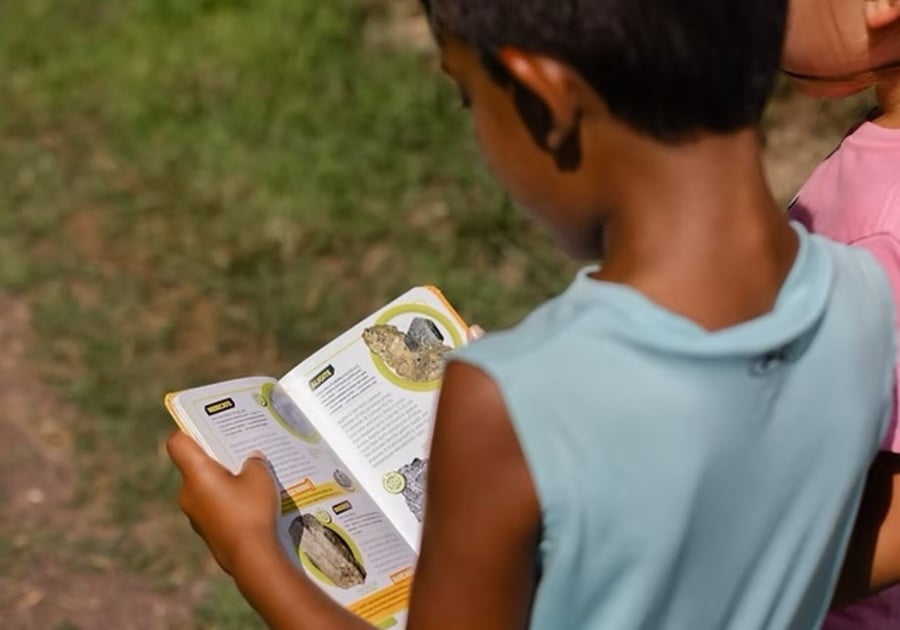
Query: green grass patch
{"type": "Point", "coordinates": [200, 189]}
{"type": "Point", "coordinates": [225, 609]}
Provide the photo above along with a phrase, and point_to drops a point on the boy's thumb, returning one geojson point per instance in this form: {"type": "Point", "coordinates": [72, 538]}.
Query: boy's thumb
{"type": "Point", "coordinates": [257, 461]}
{"type": "Point", "coordinates": [186, 454]}
{"type": "Point", "coordinates": [881, 13]}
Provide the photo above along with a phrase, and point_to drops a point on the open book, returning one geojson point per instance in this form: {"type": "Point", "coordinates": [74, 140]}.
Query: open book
{"type": "Point", "coordinates": [347, 434]}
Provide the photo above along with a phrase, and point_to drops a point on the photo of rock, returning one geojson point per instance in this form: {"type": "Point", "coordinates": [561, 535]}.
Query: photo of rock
{"type": "Point", "coordinates": [418, 355]}
{"type": "Point", "coordinates": [414, 492]}
{"type": "Point", "coordinates": [290, 415]}
{"type": "Point", "coordinates": [327, 551]}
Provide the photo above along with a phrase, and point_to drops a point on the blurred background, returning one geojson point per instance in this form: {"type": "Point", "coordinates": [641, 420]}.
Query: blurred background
{"type": "Point", "coordinates": [192, 190]}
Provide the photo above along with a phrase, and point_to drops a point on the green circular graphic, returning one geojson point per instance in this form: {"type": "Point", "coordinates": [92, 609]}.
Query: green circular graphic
{"type": "Point", "coordinates": [415, 309]}
{"type": "Point", "coordinates": [323, 517]}
{"type": "Point", "coordinates": [343, 479]}
{"type": "Point", "coordinates": [311, 436]}
{"type": "Point", "coordinates": [394, 482]}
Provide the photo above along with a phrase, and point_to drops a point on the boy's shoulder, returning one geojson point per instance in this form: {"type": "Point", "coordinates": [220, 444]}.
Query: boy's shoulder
{"type": "Point", "coordinates": [828, 277]}
{"type": "Point", "coordinates": [860, 303]}
{"type": "Point", "coordinates": [536, 332]}
{"type": "Point", "coordinates": [853, 270]}
{"type": "Point", "coordinates": [559, 333]}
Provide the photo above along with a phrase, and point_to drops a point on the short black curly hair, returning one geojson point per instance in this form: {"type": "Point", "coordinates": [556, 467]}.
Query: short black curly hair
{"type": "Point", "coordinates": [668, 68]}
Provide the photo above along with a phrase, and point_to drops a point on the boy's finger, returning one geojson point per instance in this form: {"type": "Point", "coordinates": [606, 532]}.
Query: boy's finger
{"type": "Point", "coordinates": [188, 456]}
{"type": "Point", "coordinates": [476, 332]}
{"type": "Point", "coordinates": [256, 463]}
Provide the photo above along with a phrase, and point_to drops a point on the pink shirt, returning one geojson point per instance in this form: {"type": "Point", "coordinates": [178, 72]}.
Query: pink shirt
{"type": "Point", "coordinates": [854, 197]}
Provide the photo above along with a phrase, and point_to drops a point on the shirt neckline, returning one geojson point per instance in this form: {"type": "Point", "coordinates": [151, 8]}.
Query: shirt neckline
{"type": "Point", "coordinates": [800, 304]}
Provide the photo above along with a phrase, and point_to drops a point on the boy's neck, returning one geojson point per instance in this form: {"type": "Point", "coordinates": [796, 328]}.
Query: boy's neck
{"type": "Point", "coordinates": [888, 91]}
{"type": "Point", "coordinates": [698, 231]}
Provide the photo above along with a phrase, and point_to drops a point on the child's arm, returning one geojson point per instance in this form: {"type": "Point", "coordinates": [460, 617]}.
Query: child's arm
{"type": "Point", "coordinates": [236, 516]}
{"type": "Point", "coordinates": [873, 557]}
{"type": "Point", "coordinates": [482, 519]}
{"type": "Point", "coordinates": [476, 568]}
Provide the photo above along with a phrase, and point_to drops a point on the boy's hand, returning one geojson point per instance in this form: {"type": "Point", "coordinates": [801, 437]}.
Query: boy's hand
{"type": "Point", "coordinates": [235, 514]}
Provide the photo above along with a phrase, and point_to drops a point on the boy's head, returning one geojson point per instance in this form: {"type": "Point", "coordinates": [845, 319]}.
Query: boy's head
{"type": "Point", "coordinates": [835, 47]}
{"type": "Point", "coordinates": [556, 87]}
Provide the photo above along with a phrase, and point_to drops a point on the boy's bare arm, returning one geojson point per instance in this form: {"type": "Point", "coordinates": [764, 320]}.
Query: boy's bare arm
{"type": "Point", "coordinates": [482, 521]}
{"type": "Point", "coordinates": [476, 568]}
{"type": "Point", "coordinates": [873, 557]}
{"type": "Point", "coordinates": [236, 516]}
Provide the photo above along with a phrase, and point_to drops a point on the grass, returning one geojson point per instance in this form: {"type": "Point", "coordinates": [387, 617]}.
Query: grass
{"type": "Point", "coordinates": [223, 610]}
{"type": "Point", "coordinates": [192, 190]}
{"type": "Point", "coordinates": [200, 189]}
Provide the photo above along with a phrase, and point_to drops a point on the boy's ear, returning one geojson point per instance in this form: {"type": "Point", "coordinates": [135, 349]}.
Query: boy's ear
{"type": "Point", "coordinates": [881, 13]}
{"type": "Point", "coordinates": [554, 83]}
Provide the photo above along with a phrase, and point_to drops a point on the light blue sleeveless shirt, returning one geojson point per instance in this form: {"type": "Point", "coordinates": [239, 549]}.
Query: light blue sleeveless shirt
{"type": "Point", "coordinates": [692, 480]}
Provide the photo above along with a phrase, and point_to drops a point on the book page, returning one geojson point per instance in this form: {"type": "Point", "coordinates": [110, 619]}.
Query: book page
{"type": "Point", "coordinates": [329, 525]}
{"type": "Point", "coordinates": [376, 386]}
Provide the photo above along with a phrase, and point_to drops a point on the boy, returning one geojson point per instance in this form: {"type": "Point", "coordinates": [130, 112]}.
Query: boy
{"type": "Point", "coordinates": [833, 48]}
{"type": "Point", "coordinates": [680, 440]}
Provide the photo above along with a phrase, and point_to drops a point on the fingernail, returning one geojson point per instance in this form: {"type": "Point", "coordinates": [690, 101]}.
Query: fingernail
{"type": "Point", "coordinates": [258, 455]}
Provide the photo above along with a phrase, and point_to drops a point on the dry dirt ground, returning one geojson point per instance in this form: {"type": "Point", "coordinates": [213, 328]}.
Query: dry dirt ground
{"type": "Point", "coordinates": [42, 586]}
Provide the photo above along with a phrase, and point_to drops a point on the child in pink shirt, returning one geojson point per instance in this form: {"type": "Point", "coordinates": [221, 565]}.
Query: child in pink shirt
{"type": "Point", "coordinates": [835, 48]}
